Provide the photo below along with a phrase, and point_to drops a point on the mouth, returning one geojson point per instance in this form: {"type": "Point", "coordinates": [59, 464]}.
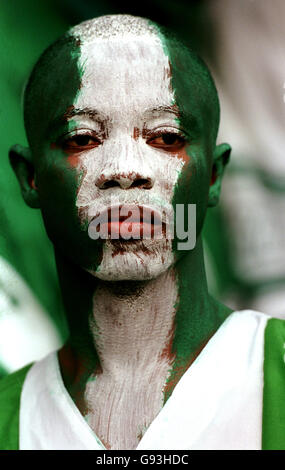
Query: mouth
{"type": "Point", "coordinates": [128, 222]}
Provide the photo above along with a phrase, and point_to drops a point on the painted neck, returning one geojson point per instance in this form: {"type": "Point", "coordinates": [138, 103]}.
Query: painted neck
{"type": "Point", "coordinates": [119, 322]}
{"type": "Point", "coordinates": [132, 323]}
{"type": "Point", "coordinates": [130, 343]}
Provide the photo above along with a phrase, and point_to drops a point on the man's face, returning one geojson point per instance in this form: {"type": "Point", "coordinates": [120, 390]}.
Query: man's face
{"type": "Point", "coordinates": [120, 142]}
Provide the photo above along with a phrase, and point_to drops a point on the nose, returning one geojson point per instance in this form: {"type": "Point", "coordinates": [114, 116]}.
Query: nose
{"type": "Point", "coordinates": [124, 181]}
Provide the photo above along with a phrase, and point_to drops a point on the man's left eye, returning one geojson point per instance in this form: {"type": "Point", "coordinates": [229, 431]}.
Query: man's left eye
{"type": "Point", "coordinates": [168, 141]}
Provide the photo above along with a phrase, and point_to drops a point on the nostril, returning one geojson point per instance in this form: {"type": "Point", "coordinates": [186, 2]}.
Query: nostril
{"type": "Point", "coordinates": [109, 184]}
{"type": "Point", "coordinates": [142, 183]}
{"type": "Point", "coordinates": [124, 181]}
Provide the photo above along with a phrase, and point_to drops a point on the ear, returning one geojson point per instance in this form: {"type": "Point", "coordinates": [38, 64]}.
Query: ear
{"type": "Point", "coordinates": [22, 164]}
{"type": "Point", "coordinates": [221, 158]}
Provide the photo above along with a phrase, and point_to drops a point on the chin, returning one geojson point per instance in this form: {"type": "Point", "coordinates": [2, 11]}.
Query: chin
{"type": "Point", "coordinates": [134, 260]}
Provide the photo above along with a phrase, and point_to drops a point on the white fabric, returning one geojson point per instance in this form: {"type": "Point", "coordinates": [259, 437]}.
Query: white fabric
{"type": "Point", "coordinates": [23, 319]}
{"type": "Point", "coordinates": [217, 404]}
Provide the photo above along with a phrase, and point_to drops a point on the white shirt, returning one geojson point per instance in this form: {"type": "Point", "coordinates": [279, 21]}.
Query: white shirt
{"type": "Point", "coordinates": [217, 404]}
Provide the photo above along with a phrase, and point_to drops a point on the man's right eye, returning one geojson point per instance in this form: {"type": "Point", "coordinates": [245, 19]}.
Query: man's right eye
{"type": "Point", "coordinates": [80, 142]}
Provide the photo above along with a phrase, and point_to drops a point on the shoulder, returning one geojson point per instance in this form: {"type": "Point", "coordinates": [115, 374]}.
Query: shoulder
{"type": "Point", "coordinates": [273, 327]}
{"type": "Point", "coordinates": [250, 321]}
{"type": "Point", "coordinates": [10, 394]}
{"type": "Point", "coordinates": [257, 320]}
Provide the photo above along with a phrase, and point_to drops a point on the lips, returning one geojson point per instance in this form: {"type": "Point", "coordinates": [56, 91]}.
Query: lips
{"type": "Point", "coordinates": [126, 222]}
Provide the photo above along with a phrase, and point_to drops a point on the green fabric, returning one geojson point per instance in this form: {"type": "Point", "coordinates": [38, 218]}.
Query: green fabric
{"type": "Point", "coordinates": [273, 424]}
{"type": "Point", "coordinates": [10, 392]}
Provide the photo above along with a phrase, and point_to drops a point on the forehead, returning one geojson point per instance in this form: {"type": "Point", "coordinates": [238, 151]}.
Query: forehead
{"type": "Point", "coordinates": [122, 76]}
{"type": "Point", "coordinates": [124, 72]}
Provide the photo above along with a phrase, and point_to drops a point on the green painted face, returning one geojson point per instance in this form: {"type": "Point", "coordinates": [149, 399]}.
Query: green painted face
{"type": "Point", "coordinates": [123, 120]}
{"type": "Point", "coordinates": [197, 101]}
{"type": "Point", "coordinates": [53, 90]}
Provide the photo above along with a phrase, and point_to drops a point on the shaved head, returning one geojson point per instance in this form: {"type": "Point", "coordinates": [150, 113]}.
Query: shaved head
{"type": "Point", "coordinates": [58, 72]}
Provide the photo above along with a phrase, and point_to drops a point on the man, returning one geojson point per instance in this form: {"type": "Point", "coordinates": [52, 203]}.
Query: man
{"type": "Point", "coordinates": [121, 115]}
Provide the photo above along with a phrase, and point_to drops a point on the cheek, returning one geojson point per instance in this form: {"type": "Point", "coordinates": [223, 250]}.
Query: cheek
{"type": "Point", "coordinates": [59, 183]}
{"type": "Point", "coordinates": [184, 155]}
{"type": "Point", "coordinates": [193, 181]}
{"type": "Point", "coordinates": [73, 160]}
{"type": "Point", "coordinates": [185, 177]}
{"type": "Point", "coordinates": [167, 169]}
{"type": "Point", "coordinates": [192, 185]}
{"type": "Point", "coordinates": [183, 170]}
{"type": "Point", "coordinates": [89, 171]}
{"type": "Point", "coordinates": [58, 180]}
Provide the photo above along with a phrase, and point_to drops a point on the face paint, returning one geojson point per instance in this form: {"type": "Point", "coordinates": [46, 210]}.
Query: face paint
{"type": "Point", "coordinates": [123, 109]}
{"type": "Point", "coordinates": [124, 104]}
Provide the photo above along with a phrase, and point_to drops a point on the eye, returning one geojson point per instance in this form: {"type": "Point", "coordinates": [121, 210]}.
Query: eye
{"type": "Point", "coordinates": [169, 141]}
{"type": "Point", "coordinates": [80, 142]}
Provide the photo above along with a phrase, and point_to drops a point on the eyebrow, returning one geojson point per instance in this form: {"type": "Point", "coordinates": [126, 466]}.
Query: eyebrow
{"type": "Point", "coordinates": [91, 113]}
{"type": "Point", "coordinates": [173, 109]}
{"type": "Point", "coordinates": [180, 114]}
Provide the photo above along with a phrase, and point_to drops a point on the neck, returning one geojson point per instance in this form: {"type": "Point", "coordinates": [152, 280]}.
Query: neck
{"type": "Point", "coordinates": [132, 323]}
{"type": "Point", "coordinates": [141, 333]}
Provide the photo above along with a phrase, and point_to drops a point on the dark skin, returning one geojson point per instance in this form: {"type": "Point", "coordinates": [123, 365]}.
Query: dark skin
{"type": "Point", "coordinates": [49, 177]}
